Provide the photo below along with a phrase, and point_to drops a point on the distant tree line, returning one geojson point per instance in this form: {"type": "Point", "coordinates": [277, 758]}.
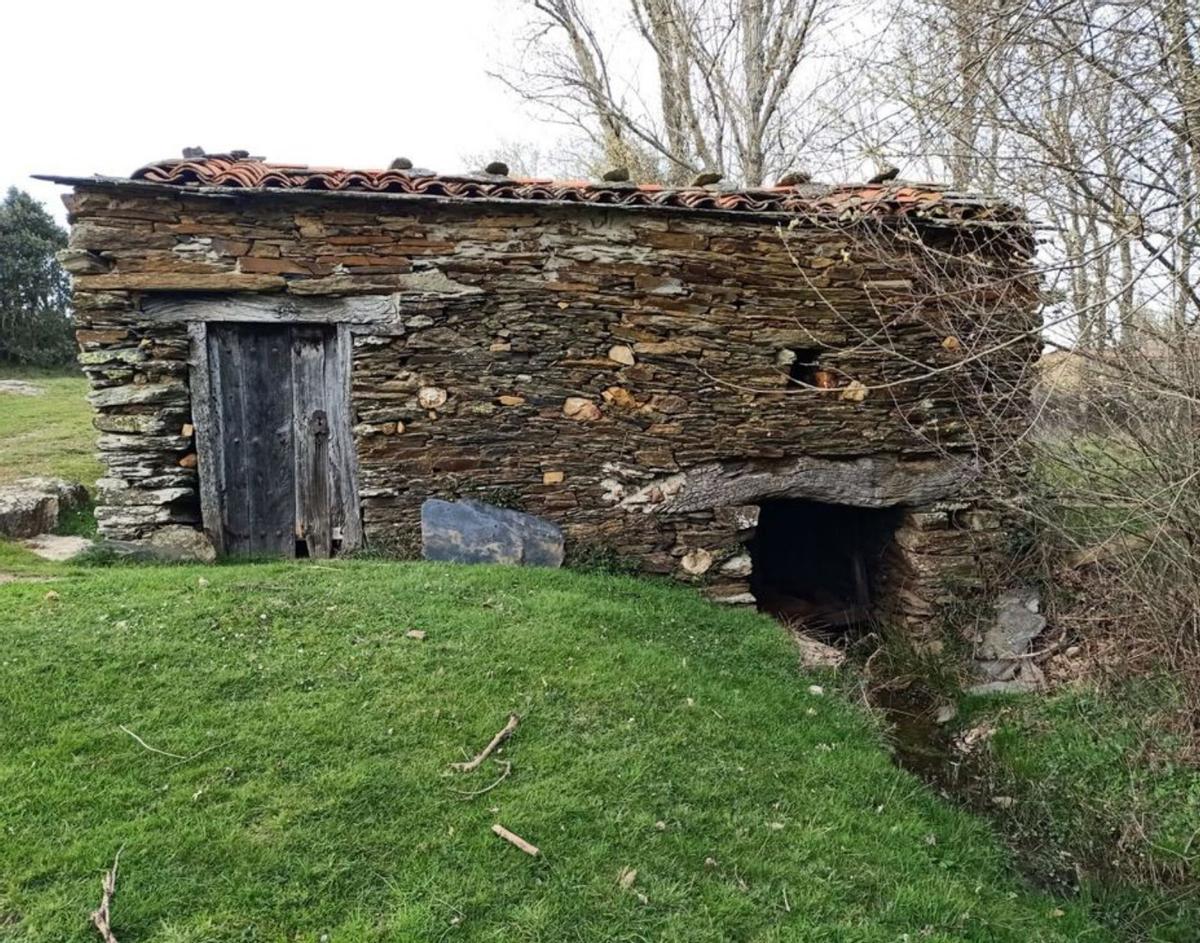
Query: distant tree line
{"type": "Point", "coordinates": [35, 319]}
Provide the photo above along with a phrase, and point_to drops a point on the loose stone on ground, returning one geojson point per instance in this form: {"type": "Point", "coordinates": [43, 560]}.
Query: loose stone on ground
{"type": "Point", "coordinates": [474, 532]}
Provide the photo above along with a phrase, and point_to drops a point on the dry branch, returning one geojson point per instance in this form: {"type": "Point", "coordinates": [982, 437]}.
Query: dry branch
{"type": "Point", "coordinates": [101, 916]}
{"type": "Point", "coordinates": [516, 840]}
{"type": "Point", "coordinates": [466, 796]}
{"type": "Point", "coordinates": [175, 756]}
{"type": "Point", "coordinates": [144, 745]}
{"type": "Point", "coordinates": [473, 764]}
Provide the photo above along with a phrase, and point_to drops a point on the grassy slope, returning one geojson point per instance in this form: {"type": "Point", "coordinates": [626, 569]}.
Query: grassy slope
{"type": "Point", "coordinates": [1100, 793]}
{"type": "Point", "coordinates": [320, 800]}
{"type": "Point", "coordinates": [50, 434]}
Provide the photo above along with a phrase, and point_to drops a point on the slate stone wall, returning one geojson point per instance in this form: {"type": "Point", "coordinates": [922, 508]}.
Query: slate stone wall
{"type": "Point", "coordinates": [625, 374]}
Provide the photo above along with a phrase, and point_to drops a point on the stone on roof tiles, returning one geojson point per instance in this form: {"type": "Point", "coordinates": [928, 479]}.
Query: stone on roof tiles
{"type": "Point", "coordinates": [897, 200]}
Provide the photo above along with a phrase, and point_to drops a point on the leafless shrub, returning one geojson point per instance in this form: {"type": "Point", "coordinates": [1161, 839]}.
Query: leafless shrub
{"type": "Point", "coordinates": [1087, 112]}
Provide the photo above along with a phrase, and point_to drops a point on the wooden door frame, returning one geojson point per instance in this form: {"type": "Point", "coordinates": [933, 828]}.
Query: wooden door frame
{"type": "Point", "coordinates": [210, 440]}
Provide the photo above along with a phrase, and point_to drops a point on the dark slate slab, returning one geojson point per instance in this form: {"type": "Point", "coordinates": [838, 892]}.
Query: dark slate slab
{"type": "Point", "coordinates": [474, 532]}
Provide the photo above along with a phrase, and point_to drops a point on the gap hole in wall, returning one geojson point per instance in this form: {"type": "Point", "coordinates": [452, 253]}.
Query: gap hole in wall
{"type": "Point", "coordinates": [804, 365]}
{"type": "Point", "coordinates": [819, 566]}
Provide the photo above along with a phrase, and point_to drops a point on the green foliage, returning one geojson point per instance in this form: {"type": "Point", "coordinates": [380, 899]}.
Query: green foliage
{"type": "Point", "coordinates": [1089, 488]}
{"type": "Point", "coordinates": [311, 794]}
{"type": "Point", "coordinates": [78, 522]}
{"type": "Point", "coordinates": [35, 325]}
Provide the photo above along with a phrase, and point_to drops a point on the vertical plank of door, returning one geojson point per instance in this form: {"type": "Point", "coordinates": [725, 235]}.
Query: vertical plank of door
{"type": "Point", "coordinates": [205, 420]}
{"type": "Point", "coordinates": [311, 419]}
{"type": "Point", "coordinates": [269, 423]}
{"type": "Point", "coordinates": [343, 455]}
{"type": "Point", "coordinates": [224, 352]}
{"type": "Point", "coordinates": [252, 384]}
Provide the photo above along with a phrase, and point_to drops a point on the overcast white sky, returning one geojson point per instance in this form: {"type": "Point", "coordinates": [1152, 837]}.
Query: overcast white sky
{"type": "Point", "coordinates": [104, 87]}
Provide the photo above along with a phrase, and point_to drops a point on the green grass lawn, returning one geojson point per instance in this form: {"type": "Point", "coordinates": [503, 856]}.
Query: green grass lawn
{"type": "Point", "coordinates": [50, 434]}
{"type": "Point", "coordinates": [658, 733]}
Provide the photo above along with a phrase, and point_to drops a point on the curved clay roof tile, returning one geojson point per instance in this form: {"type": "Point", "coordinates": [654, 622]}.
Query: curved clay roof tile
{"type": "Point", "coordinates": [881, 200]}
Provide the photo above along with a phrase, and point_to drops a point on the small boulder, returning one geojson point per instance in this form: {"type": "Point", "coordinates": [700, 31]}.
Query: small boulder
{"type": "Point", "coordinates": [474, 532]}
{"type": "Point", "coordinates": [622, 354]}
{"type": "Point", "coordinates": [31, 506]}
{"type": "Point", "coordinates": [180, 542]}
{"type": "Point", "coordinates": [175, 543]}
{"type": "Point", "coordinates": [697, 562]}
{"type": "Point", "coordinates": [580, 409]}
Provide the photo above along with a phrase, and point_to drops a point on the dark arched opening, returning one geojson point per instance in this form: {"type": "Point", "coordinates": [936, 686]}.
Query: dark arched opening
{"type": "Point", "coordinates": [820, 564]}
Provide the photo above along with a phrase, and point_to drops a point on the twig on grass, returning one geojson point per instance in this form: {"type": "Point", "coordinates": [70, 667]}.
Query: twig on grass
{"type": "Point", "coordinates": [101, 916]}
{"type": "Point", "coordinates": [188, 759]}
{"type": "Point", "coordinates": [507, 764]}
{"type": "Point", "coordinates": [516, 840]}
{"type": "Point", "coordinates": [471, 765]}
{"type": "Point", "coordinates": [175, 756]}
{"type": "Point", "coordinates": [145, 746]}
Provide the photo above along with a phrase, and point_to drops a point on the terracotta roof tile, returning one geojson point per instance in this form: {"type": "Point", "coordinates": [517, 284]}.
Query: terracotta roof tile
{"type": "Point", "coordinates": [926, 201]}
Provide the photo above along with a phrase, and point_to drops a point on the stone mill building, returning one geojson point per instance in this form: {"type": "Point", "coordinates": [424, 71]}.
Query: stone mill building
{"type": "Point", "coordinates": [773, 392]}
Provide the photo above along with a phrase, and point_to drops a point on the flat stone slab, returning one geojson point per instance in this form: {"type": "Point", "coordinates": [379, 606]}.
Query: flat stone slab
{"type": "Point", "coordinates": [1018, 622]}
{"type": "Point", "coordinates": [57, 547]}
{"type": "Point", "coordinates": [816, 654]}
{"type": "Point", "coordinates": [1027, 679]}
{"type": "Point", "coordinates": [175, 543]}
{"type": "Point", "coordinates": [474, 532]}
{"type": "Point", "coordinates": [21, 388]}
{"type": "Point", "coordinates": [31, 506]}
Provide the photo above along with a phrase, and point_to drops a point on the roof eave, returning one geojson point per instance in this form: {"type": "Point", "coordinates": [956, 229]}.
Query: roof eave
{"type": "Point", "coordinates": [424, 199]}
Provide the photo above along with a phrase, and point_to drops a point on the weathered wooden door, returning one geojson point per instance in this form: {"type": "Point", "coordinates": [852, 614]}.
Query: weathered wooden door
{"type": "Point", "coordinates": [276, 455]}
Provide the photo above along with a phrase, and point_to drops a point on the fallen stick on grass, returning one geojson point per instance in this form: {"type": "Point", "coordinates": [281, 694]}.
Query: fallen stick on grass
{"type": "Point", "coordinates": [471, 765]}
{"type": "Point", "coordinates": [145, 746]}
{"type": "Point", "coordinates": [507, 764]}
{"type": "Point", "coordinates": [101, 918]}
{"type": "Point", "coordinates": [516, 840]}
{"type": "Point", "coordinates": [175, 756]}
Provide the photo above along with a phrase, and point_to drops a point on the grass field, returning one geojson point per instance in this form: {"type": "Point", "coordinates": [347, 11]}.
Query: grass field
{"type": "Point", "coordinates": [50, 434]}
{"type": "Point", "coordinates": [310, 796]}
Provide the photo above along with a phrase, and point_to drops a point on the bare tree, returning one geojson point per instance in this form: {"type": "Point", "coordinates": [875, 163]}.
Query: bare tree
{"type": "Point", "coordinates": [1086, 111]}
{"type": "Point", "coordinates": [726, 75]}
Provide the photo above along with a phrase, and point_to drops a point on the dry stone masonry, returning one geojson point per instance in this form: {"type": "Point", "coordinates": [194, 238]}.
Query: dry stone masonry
{"type": "Point", "coordinates": [653, 371]}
